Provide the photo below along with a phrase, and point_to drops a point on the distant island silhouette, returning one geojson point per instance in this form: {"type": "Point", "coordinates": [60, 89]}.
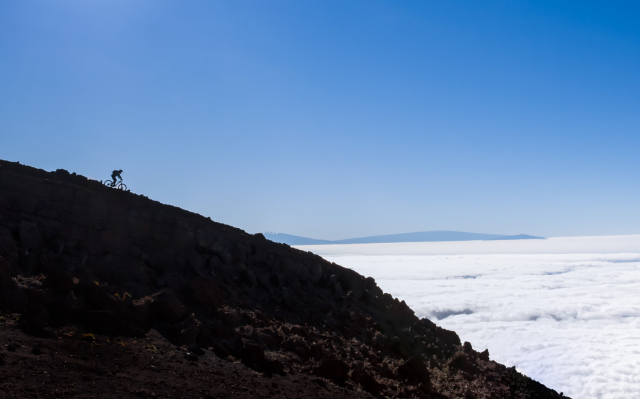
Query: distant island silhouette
{"type": "Point", "coordinates": [428, 236]}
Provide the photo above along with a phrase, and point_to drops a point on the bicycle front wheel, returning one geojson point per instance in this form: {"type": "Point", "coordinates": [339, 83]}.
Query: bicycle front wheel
{"type": "Point", "coordinates": [122, 186]}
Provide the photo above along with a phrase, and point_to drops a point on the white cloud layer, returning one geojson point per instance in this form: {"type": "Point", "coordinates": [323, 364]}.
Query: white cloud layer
{"type": "Point", "coordinates": [569, 319]}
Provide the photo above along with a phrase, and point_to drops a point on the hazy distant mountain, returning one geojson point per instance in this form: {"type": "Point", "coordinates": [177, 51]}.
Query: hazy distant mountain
{"type": "Point", "coordinates": [429, 236]}
{"type": "Point", "coordinates": [517, 237]}
{"type": "Point", "coordinates": [293, 240]}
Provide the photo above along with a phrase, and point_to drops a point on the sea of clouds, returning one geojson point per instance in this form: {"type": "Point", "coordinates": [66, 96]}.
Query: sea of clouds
{"type": "Point", "coordinates": [564, 311]}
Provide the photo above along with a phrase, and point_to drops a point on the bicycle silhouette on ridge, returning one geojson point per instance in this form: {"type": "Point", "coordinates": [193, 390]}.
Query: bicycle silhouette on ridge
{"type": "Point", "coordinates": [115, 183]}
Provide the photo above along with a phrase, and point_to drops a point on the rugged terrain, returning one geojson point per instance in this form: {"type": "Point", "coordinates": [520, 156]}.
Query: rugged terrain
{"type": "Point", "coordinates": [106, 293]}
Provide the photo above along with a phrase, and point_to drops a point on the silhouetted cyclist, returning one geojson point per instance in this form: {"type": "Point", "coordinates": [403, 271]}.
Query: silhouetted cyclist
{"type": "Point", "coordinates": [115, 174]}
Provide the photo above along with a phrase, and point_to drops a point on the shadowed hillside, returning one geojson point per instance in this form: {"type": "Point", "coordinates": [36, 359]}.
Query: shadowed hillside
{"type": "Point", "coordinates": [107, 283]}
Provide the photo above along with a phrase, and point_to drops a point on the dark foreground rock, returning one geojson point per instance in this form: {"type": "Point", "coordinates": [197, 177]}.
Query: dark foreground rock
{"type": "Point", "coordinates": [106, 293]}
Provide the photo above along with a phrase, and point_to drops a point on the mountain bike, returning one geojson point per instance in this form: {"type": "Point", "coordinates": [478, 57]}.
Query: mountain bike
{"type": "Point", "coordinates": [117, 185]}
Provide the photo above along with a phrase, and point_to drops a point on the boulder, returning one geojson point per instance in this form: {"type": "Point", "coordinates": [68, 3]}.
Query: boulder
{"type": "Point", "coordinates": [370, 283]}
{"type": "Point", "coordinates": [415, 370]}
{"type": "Point", "coordinates": [299, 330]}
{"type": "Point", "coordinates": [189, 335]}
{"type": "Point", "coordinates": [59, 280]}
{"type": "Point", "coordinates": [357, 369]}
{"type": "Point", "coordinates": [166, 307]}
{"type": "Point", "coordinates": [230, 318]}
{"type": "Point", "coordinates": [139, 314]}
{"type": "Point", "coordinates": [449, 337]}
{"type": "Point", "coordinates": [316, 351]}
{"type": "Point", "coordinates": [214, 264]}
{"type": "Point", "coordinates": [354, 283]}
{"type": "Point", "coordinates": [96, 296]}
{"type": "Point", "coordinates": [220, 350]}
{"type": "Point", "coordinates": [268, 338]}
{"type": "Point", "coordinates": [467, 347]}
{"type": "Point", "coordinates": [173, 281]}
{"type": "Point", "coordinates": [225, 256]}
{"type": "Point", "coordinates": [270, 367]}
{"type": "Point", "coordinates": [104, 321]}
{"type": "Point", "coordinates": [370, 384]}
{"type": "Point", "coordinates": [302, 351]}
{"type": "Point", "coordinates": [334, 369]}
{"type": "Point", "coordinates": [38, 296]}
{"type": "Point", "coordinates": [205, 239]}
{"type": "Point", "coordinates": [205, 291]}
{"type": "Point", "coordinates": [251, 354]}
{"type": "Point", "coordinates": [197, 263]}
{"type": "Point", "coordinates": [369, 296]}
{"type": "Point", "coordinates": [459, 361]}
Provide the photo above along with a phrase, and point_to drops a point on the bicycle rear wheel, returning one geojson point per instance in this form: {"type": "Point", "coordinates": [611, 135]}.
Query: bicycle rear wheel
{"type": "Point", "coordinates": [108, 183]}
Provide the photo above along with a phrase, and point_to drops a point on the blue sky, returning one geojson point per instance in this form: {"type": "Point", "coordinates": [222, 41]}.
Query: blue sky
{"type": "Point", "coordinates": [337, 119]}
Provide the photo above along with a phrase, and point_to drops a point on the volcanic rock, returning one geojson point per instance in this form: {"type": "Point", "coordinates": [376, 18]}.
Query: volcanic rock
{"type": "Point", "coordinates": [182, 297]}
{"type": "Point", "coordinates": [415, 370]}
{"type": "Point", "coordinates": [166, 307]}
{"type": "Point", "coordinates": [334, 369]}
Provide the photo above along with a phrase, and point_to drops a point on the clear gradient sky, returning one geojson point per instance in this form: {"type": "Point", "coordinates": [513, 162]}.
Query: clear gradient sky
{"type": "Point", "coordinates": [337, 119]}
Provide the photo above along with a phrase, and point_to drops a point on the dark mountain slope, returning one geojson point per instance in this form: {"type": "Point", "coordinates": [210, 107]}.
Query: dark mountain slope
{"type": "Point", "coordinates": [79, 258]}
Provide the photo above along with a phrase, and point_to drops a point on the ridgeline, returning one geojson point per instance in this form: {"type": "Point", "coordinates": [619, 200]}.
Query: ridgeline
{"type": "Point", "coordinates": [106, 293]}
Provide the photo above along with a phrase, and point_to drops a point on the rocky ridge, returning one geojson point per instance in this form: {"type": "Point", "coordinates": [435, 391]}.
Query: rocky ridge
{"type": "Point", "coordinates": [79, 258]}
